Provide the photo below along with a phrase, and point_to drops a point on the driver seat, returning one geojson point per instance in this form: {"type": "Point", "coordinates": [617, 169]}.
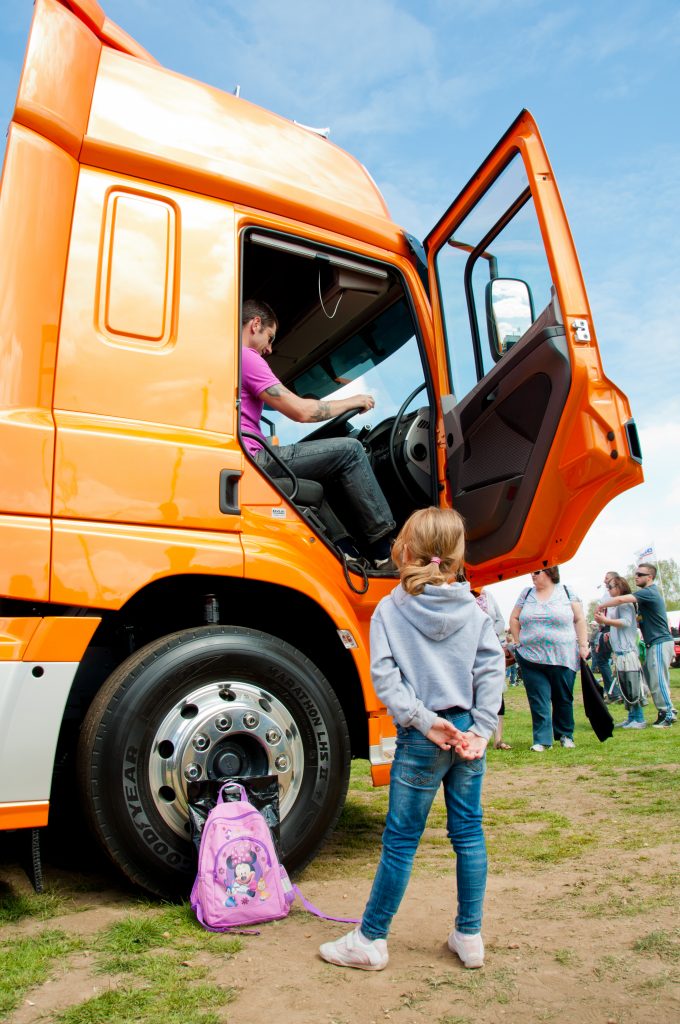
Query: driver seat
{"type": "Point", "coordinates": [305, 495]}
{"type": "Point", "coordinates": [308, 497]}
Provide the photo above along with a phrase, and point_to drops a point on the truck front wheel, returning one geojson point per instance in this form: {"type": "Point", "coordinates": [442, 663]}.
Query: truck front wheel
{"type": "Point", "coordinates": [211, 702]}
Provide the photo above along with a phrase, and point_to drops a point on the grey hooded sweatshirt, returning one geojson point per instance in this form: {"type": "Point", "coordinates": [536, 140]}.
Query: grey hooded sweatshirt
{"type": "Point", "coordinates": [433, 651]}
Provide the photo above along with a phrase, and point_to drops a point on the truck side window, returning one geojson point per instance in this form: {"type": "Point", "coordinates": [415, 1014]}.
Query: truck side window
{"type": "Point", "coordinates": [346, 326]}
{"type": "Point", "coordinates": [494, 278]}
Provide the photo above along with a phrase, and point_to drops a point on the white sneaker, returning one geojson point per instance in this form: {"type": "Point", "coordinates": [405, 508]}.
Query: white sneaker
{"type": "Point", "coordinates": [355, 950]}
{"type": "Point", "coordinates": [538, 748]}
{"type": "Point", "coordinates": [635, 725]}
{"type": "Point", "coordinates": [567, 741]}
{"type": "Point", "coordinates": [468, 948]}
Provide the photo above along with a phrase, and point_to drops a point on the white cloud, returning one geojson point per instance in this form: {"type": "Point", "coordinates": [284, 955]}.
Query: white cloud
{"type": "Point", "coordinates": [622, 223]}
{"type": "Point", "coordinates": [644, 514]}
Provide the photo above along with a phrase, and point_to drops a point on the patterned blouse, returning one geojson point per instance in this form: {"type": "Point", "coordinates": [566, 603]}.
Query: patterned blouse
{"type": "Point", "coordinates": [547, 634]}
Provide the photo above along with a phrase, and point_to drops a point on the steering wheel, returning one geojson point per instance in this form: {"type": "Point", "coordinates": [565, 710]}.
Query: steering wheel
{"type": "Point", "coordinates": [393, 434]}
{"type": "Point", "coordinates": [334, 427]}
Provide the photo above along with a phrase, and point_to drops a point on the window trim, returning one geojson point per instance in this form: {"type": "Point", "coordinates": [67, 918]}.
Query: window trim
{"type": "Point", "coordinates": [502, 222]}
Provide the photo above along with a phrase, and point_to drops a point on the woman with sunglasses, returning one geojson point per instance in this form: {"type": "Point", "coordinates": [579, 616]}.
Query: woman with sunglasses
{"type": "Point", "coordinates": [622, 625]}
{"type": "Point", "coordinates": [549, 633]}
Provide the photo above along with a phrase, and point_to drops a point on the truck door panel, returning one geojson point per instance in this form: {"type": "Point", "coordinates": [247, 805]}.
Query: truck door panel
{"type": "Point", "coordinates": [498, 439]}
{"type": "Point", "coordinates": [146, 370]}
{"type": "Point", "coordinates": [537, 437]}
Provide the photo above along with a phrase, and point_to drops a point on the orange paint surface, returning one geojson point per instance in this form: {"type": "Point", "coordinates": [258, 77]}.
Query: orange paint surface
{"type": "Point", "coordinates": [33, 814]}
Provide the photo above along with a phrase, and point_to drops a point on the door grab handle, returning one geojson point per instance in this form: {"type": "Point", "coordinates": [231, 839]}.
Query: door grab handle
{"type": "Point", "coordinates": [229, 479]}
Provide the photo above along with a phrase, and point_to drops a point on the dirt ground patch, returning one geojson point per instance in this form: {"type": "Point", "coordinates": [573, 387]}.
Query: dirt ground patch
{"type": "Point", "coordinates": [586, 931]}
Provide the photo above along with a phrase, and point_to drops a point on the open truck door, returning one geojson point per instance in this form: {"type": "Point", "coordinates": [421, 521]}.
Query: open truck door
{"type": "Point", "coordinates": [538, 440]}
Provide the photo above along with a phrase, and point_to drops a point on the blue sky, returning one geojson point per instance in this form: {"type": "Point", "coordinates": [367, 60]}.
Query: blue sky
{"type": "Point", "coordinates": [420, 92]}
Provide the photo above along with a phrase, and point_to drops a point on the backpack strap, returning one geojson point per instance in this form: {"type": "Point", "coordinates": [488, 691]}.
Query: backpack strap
{"type": "Point", "coordinates": [318, 913]}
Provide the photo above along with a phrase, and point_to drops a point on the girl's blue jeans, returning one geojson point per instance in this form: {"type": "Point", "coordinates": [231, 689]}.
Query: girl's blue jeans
{"type": "Point", "coordinates": [418, 769]}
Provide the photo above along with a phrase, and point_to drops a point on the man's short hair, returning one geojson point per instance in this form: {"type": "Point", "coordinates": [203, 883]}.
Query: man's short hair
{"type": "Point", "coordinates": [252, 308]}
{"type": "Point", "coordinates": [648, 565]}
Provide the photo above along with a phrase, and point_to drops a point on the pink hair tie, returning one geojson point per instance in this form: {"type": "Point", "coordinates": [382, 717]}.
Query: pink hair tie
{"type": "Point", "coordinates": [437, 561]}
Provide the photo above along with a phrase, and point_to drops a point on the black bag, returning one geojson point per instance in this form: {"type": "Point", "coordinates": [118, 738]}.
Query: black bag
{"type": "Point", "coordinates": [604, 647]}
{"type": "Point", "coordinates": [262, 792]}
{"type": "Point", "coordinates": [594, 706]}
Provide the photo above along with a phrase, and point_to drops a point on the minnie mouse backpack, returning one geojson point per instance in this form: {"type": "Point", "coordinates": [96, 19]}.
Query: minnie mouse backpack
{"type": "Point", "coordinates": [240, 880]}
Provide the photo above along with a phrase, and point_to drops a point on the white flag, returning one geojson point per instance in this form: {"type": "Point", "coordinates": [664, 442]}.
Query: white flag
{"type": "Point", "coordinates": [645, 553]}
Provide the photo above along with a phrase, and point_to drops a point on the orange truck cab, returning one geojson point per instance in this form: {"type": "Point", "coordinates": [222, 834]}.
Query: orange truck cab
{"type": "Point", "coordinates": [168, 613]}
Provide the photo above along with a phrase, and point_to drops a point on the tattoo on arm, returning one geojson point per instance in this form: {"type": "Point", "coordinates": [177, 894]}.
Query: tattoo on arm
{"type": "Point", "coordinates": [322, 412]}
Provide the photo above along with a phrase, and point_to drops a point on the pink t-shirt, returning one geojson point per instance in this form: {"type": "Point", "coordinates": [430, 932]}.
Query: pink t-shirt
{"type": "Point", "coordinates": [256, 377]}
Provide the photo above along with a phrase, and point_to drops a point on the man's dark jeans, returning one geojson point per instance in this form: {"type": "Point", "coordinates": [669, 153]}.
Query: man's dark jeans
{"type": "Point", "coordinates": [343, 461]}
{"type": "Point", "coordinates": [602, 665]}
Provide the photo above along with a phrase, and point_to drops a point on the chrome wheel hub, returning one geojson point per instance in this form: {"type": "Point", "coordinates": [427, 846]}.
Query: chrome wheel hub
{"type": "Point", "coordinates": [223, 729]}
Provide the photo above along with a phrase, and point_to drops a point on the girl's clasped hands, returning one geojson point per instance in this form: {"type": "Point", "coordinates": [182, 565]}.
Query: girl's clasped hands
{"type": "Point", "coordinates": [467, 745]}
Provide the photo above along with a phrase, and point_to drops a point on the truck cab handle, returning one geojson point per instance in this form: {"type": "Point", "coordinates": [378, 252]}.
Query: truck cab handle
{"type": "Point", "coordinates": [229, 479]}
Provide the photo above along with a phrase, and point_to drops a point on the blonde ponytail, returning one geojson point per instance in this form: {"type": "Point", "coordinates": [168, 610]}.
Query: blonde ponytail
{"type": "Point", "coordinates": [430, 548]}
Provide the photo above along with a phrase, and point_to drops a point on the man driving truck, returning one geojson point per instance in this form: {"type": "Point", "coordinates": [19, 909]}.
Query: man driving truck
{"type": "Point", "coordinates": [333, 460]}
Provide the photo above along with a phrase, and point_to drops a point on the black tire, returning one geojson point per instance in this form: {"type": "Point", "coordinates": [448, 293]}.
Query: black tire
{"type": "Point", "coordinates": [148, 725]}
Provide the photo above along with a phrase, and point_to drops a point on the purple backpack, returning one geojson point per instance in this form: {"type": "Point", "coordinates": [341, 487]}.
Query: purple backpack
{"type": "Point", "coordinates": [240, 879]}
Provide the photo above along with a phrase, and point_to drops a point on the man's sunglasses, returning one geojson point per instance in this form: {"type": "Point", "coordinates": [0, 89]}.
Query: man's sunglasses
{"type": "Point", "coordinates": [645, 575]}
{"type": "Point", "coordinates": [537, 572]}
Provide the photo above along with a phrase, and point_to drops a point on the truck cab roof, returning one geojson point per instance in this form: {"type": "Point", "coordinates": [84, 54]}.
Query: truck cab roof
{"type": "Point", "coordinates": [198, 137]}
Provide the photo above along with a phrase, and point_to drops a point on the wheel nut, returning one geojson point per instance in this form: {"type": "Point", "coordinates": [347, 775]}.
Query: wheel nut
{"type": "Point", "coordinates": [250, 720]}
{"type": "Point", "coordinates": [273, 736]}
{"type": "Point", "coordinates": [193, 772]}
{"type": "Point", "coordinates": [281, 763]}
{"type": "Point", "coordinates": [223, 723]}
{"type": "Point", "coordinates": [201, 742]}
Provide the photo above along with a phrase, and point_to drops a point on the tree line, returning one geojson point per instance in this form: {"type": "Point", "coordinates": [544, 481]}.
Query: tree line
{"type": "Point", "coordinates": [668, 579]}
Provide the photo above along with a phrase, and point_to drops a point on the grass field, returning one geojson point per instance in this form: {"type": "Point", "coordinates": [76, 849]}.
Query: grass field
{"type": "Point", "coordinates": [638, 772]}
{"type": "Point", "coordinates": [86, 951]}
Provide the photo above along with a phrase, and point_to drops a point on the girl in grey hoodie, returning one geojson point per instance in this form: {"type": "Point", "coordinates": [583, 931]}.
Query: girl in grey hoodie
{"type": "Point", "coordinates": [438, 666]}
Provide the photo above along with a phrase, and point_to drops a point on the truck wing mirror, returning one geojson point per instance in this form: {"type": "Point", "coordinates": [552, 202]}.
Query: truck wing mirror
{"type": "Point", "coordinates": [509, 312]}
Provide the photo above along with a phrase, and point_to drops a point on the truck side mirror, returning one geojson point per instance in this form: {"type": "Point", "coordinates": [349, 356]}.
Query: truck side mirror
{"type": "Point", "coordinates": [509, 312]}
